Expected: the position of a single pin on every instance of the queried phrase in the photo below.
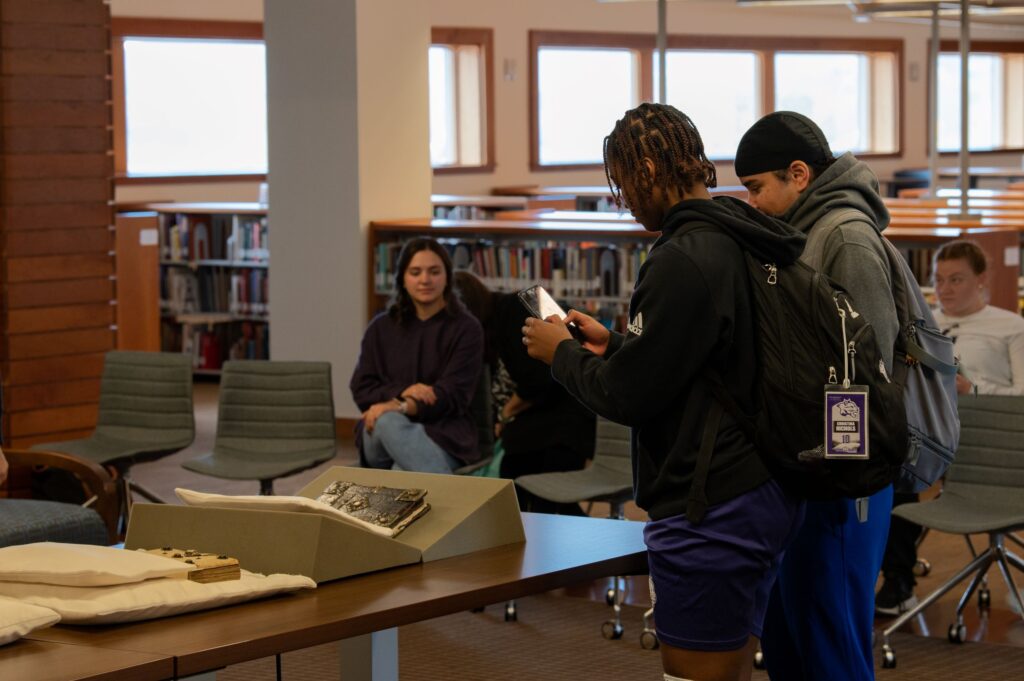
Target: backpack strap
(697, 502)
(814, 249)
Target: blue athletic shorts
(710, 582)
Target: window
(996, 99)
(856, 111)
(190, 99)
(577, 102)
(733, 77)
(461, 108)
(583, 82)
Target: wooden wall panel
(53, 37)
(54, 369)
(41, 421)
(56, 344)
(47, 166)
(49, 395)
(46, 191)
(138, 278)
(56, 220)
(55, 216)
(48, 268)
(39, 319)
(59, 241)
(37, 294)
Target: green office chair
(983, 494)
(274, 419)
(145, 413)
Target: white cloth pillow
(276, 503)
(83, 565)
(18, 618)
(150, 599)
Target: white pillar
(347, 107)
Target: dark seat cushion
(24, 521)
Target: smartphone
(542, 305)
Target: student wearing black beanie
(821, 612)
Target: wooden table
(33, 660)
(364, 612)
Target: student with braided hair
(719, 521)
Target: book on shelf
(383, 510)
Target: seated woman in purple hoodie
(418, 369)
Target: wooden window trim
(124, 27)
(484, 38)
(766, 47)
(977, 46)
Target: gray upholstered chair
(25, 521)
(274, 419)
(983, 494)
(609, 479)
(145, 413)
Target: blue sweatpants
(821, 610)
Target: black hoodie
(691, 309)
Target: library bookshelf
(587, 265)
(214, 277)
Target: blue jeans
(821, 611)
(403, 445)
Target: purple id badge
(846, 422)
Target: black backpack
(800, 315)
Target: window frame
(484, 39)
(984, 47)
(133, 27)
(765, 48)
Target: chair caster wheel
(985, 599)
(511, 615)
(610, 596)
(759, 660)
(611, 630)
(888, 658)
(922, 567)
(649, 640)
(957, 633)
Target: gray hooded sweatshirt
(850, 251)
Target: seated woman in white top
(989, 340)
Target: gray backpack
(923, 365)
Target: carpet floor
(558, 637)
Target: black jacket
(691, 310)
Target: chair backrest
(989, 461)
(612, 449)
(268, 406)
(147, 396)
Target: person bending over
(820, 619)
(418, 369)
(543, 429)
(691, 312)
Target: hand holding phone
(542, 305)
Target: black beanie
(777, 140)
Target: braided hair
(669, 138)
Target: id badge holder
(846, 422)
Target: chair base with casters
(608, 479)
(982, 494)
(24, 521)
(274, 419)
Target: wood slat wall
(56, 218)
